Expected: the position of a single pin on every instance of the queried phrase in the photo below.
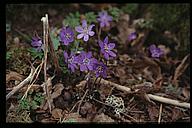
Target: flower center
(70, 60)
(85, 30)
(100, 69)
(106, 48)
(68, 36)
(86, 61)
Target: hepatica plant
(84, 60)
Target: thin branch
(45, 39)
(152, 97)
(81, 101)
(18, 87)
(160, 112)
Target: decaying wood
(24, 82)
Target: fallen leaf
(13, 76)
(57, 113)
(75, 117)
(88, 110)
(102, 118)
(153, 113)
(180, 69)
(58, 88)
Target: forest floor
(138, 87)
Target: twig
(81, 101)
(169, 101)
(160, 112)
(18, 87)
(45, 39)
(153, 97)
(25, 95)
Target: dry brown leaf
(58, 88)
(57, 113)
(76, 117)
(102, 118)
(176, 114)
(153, 113)
(13, 76)
(186, 93)
(180, 69)
(88, 110)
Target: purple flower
(155, 52)
(132, 36)
(104, 19)
(86, 61)
(71, 61)
(106, 48)
(66, 35)
(85, 31)
(37, 44)
(100, 69)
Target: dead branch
(152, 97)
(24, 82)
(45, 40)
(169, 101)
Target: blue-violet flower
(106, 48)
(85, 31)
(100, 69)
(66, 35)
(104, 19)
(86, 61)
(155, 52)
(37, 44)
(71, 61)
(132, 36)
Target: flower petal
(84, 23)
(80, 36)
(65, 55)
(106, 56)
(101, 44)
(90, 67)
(90, 27)
(89, 55)
(79, 29)
(105, 40)
(83, 67)
(112, 54)
(86, 37)
(91, 33)
(111, 46)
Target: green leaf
(129, 8)
(72, 20)
(8, 55)
(35, 54)
(90, 17)
(115, 13)
(54, 39)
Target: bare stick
(160, 112)
(45, 39)
(18, 87)
(169, 101)
(82, 101)
(38, 71)
(152, 97)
